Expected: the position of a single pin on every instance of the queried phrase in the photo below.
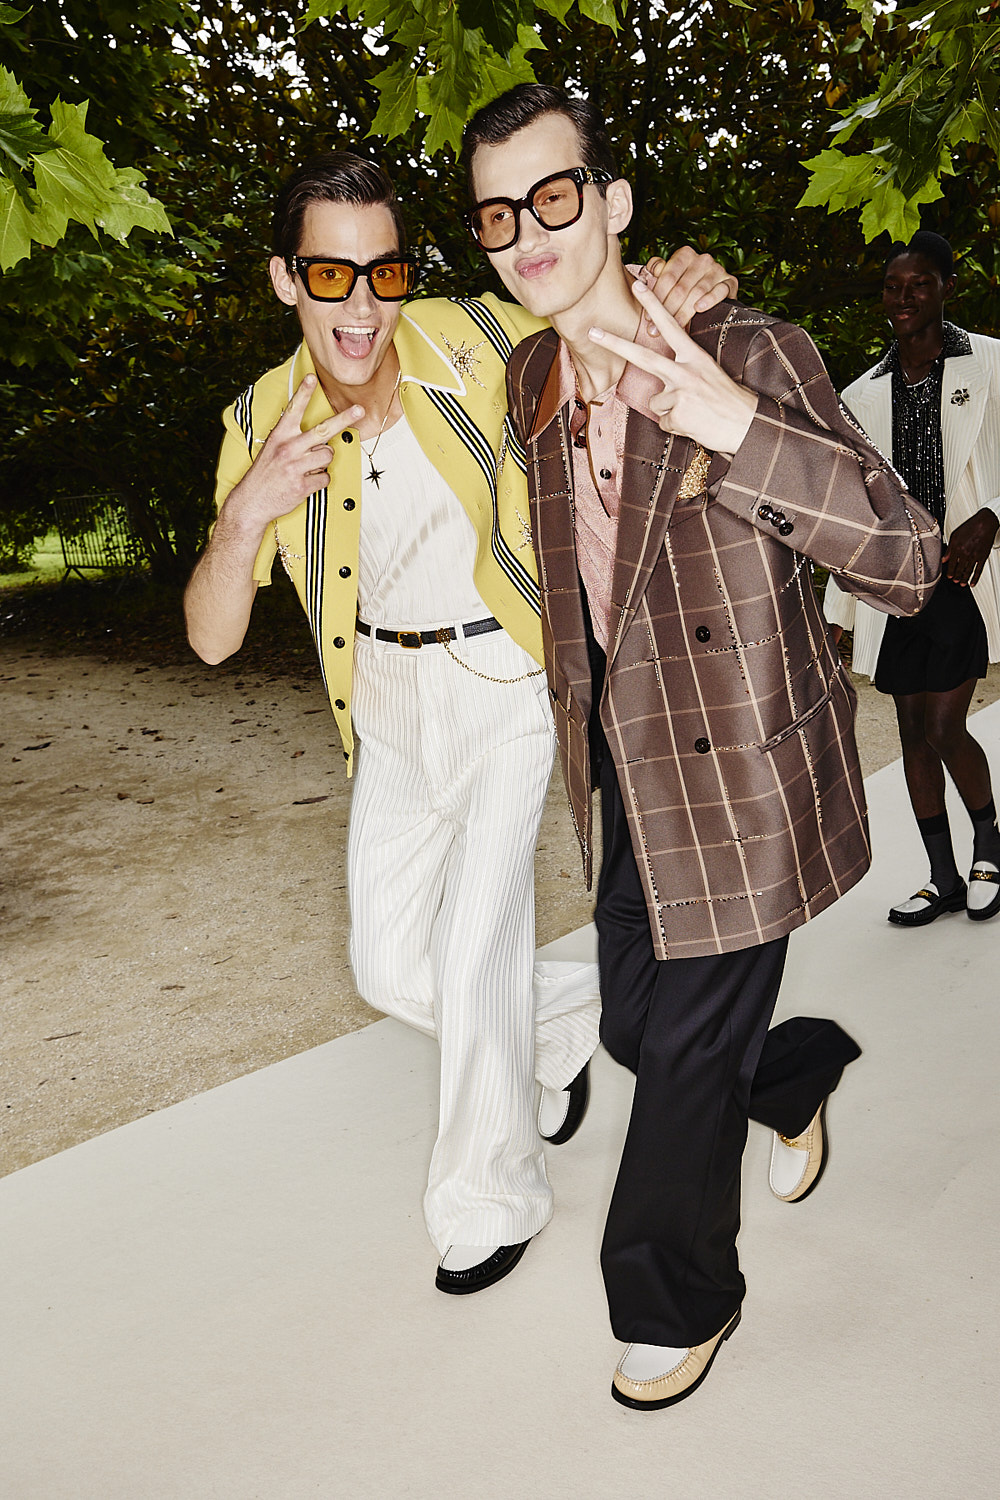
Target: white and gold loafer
(650, 1377)
(798, 1162)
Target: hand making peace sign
(698, 400)
(292, 463)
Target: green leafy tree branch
(447, 57)
(935, 103)
(50, 175)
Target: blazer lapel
(652, 468)
(963, 406)
(555, 539)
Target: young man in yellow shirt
(379, 465)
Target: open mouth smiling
(356, 342)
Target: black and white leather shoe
(984, 891)
(927, 905)
(470, 1268)
(561, 1111)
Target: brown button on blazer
(727, 709)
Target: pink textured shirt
(597, 433)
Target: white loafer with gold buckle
(798, 1162)
(984, 891)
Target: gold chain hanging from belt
(445, 640)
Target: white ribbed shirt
(418, 546)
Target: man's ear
(283, 281)
(948, 290)
(618, 197)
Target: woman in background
(933, 404)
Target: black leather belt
(414, 639)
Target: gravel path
(172, 885)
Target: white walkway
(234, 1298)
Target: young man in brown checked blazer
(685, 482)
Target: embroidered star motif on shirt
(285, 552)
(463, 357)
(959, 397)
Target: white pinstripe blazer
(727, 710)
(970, 436)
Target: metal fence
(96, 532)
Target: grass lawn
(47, 565)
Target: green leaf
(445, 129)
(604, 12)
(890, 212)
(865, 109)
(10, 17)
(131, 207)
(13, 99)
(866, 10)
(21, 137)
(319, 9)
(837, 181)
(557, 8)
(15, 227)
(397, 105)
(498, 74)
(498, 20)
(74, 180)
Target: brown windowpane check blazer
(726, 706)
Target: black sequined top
(917, 451)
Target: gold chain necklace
(374, 475)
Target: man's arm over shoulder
(807, 472)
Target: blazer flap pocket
(800, 722)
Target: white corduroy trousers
(451, 777)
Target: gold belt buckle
(410, 639)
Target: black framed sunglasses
(556, 202)
(326, 280)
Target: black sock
(985, 834)
(936, 835)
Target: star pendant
(374, 475)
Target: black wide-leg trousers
(694, 1031)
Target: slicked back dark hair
(330, 177)
(496, 122)
(933, 247)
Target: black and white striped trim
(316, 508)
(463, 426)
(243, 412)
(513, 444)
(488, 324)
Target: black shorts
(937, 650)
